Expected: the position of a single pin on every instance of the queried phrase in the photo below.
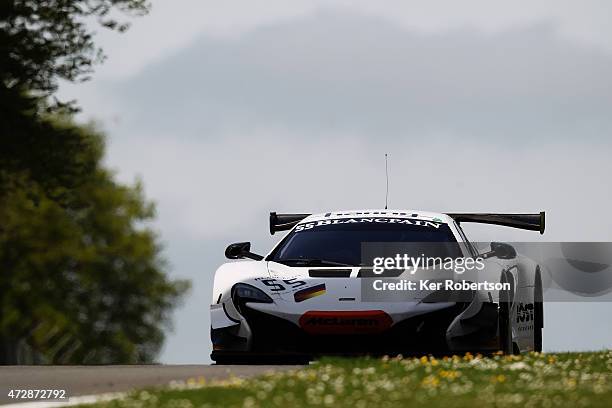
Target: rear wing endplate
(284, 222)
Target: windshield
(349, 242)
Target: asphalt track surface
(88, 380)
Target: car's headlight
(243, 293)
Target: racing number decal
(294, 282)
(274, 287)
(277, 287)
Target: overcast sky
(228, 110)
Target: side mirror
(241, 250)
(501, 250)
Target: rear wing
(532, 222)
(284, 222)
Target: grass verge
(532, 380)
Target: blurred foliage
(49, 150)
(42, 41)
(82, 279)
(81, 275)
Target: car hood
(345, 287)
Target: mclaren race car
(331, 286)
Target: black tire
(503, 319)
(538, 319)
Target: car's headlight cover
(243, 293)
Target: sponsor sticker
(345, 322)
(370, 220)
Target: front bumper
(424, 334)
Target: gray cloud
(364, 75)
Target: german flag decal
(308, 293)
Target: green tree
(81, 275)
(81, 279)
(42, 41)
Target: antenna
(387, 176)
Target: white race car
(316, 294)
